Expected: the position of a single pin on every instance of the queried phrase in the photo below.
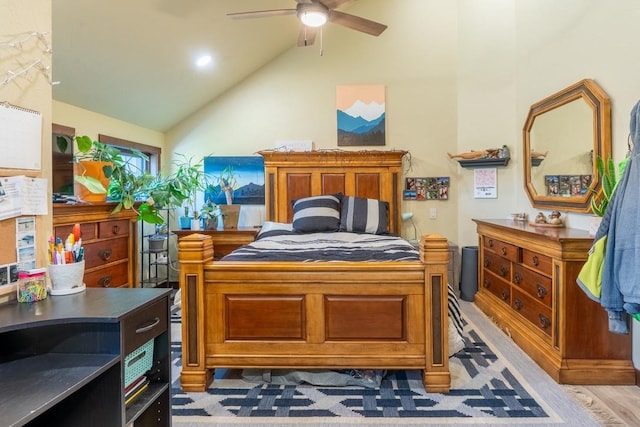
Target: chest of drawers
(109, 241)
(527, 285)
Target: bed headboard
(372, 174)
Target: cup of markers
(66, 267)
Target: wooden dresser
(527, 285)
(109, 241)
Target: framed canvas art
(361, 115)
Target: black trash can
(469, 273)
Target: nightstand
(224, 241)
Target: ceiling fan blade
(336, 4)
(261, 13)
(306, 35)
(357, 23)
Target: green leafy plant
(189, 179)
(227, 183)
(130, 187)
(609, 180)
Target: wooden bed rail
(222, 302)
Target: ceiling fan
(313, 14)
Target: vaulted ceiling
(134, 60)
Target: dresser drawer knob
(535, 260)
(105, 281)
(504, 271)
(486, 283)
(504, 295)
(517, 304)
(490, 243)
(504, 250)
(486, 263)
(105, 254)
(148, 327)
(544, 321)
(517, 278)
(542, 291)
(115, 229)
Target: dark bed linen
(333, 246)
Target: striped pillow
(360, 215)
(316, 214)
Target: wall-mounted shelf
(484, 163)
(535, 161)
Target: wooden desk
(224, 241)
(62, 359)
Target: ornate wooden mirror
(563, 134)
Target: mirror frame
(598, 100)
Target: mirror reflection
(562, 135)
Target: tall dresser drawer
(497, 286)
(102, 252)
(536, 285)
(87, 231)
(537, 261)
(108, 277)
(497, 265)
(506, 250)
(538, 314)
(113, 228)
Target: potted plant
(209, 214)
(227, 184)
(130, 187)
(189, 179)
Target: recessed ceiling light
(204, 60)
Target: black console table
(62, 359)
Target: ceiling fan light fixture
(313, 15)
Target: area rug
(493, 383)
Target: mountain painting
(361, 115)
(248, 172)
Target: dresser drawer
(140, 327)
(497, 265)
(102, 252)
(501, 248)
(535, 284)
(537, 261)
(87, 231)
(497, 286)
(113, 228)
(536, 313)
(112, 276)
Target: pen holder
(66, 278)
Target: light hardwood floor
(611, 405)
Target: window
(153, 153)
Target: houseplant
(227, 184)
(124, 182)
(209, 215)
(189, 180)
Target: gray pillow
(316, 214)
(361, 215)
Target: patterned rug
(486, 389)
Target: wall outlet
(433, 213)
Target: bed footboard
(366, 315)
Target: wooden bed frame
(331, 315)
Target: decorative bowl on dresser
(527, 285)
